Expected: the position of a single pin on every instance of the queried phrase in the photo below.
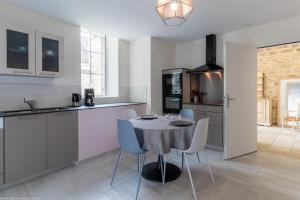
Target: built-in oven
(172, 90)
(172, 104)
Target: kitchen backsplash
(12, 95)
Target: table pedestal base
(152, 172)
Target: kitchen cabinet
(215, 128)
(36, 143)
(17, 52)
(98, 129)
(49, 55)
(1, 152)
(25, 146)
(62, 138)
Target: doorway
(278, 99)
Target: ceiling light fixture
(174, 12)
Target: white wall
(148, 57)
(51, 92)
(124, 70)
(162, 57)
(278, 32)
(47, 91)
(190, 54)
(193, 54)
(140, 71)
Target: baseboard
(214, 147)
(44, 173)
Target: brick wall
(277, 63)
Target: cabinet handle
(63, 113)
(48, 74)
(29, 116)
(22, 72)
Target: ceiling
(132, 19)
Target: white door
(240, 100)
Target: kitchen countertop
(203, 104)
(61, 109)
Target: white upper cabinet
(49, 55)
(17, 52)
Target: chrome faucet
(31, 103)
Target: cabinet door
(200, 115)
(215, 128)
(49, 55)
(25, 146)
(261, 111)
(18, 52)
(62, 138)
(215, 136)
(1, 152)
(268, 108)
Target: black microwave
(172, 80)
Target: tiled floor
(258, 176)
(278, 140)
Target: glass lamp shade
(174, 12)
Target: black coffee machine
(89, 97)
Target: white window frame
(291, 112)
(103, 55)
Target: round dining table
(159, 135)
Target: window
(293, 98)
(93, 62)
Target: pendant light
(174, 12)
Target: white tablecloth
(159, 136)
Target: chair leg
(165, 167)
(198, 157)
(139, 163)
(140, 177)
(161, 162)
(182, 161)
(209, 169)
(158, 163)
(116, 168)
(190, 175)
